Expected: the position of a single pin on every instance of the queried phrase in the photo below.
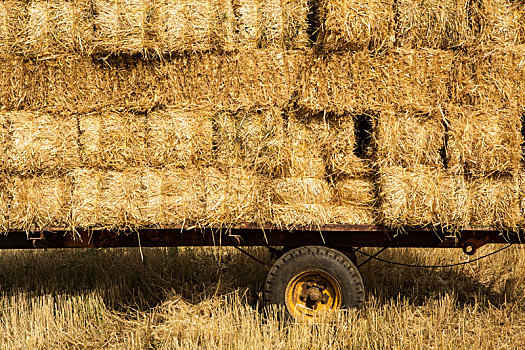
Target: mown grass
(210, 298)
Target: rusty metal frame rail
(335, 236)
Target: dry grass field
(209, 298)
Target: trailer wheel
(314, 279)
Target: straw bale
(295, 23)
(5, 141)
(57, 26)
(433, 24)
(39, 202)
(300, 201)
(451, 206)
(306, 190)
(112, 140)
(121, 201)
(352, 215)
(5, 201)
(400, 78)
(304, 149)
(359, 192)
(351, 25)
(235, 81)
(484, 141)
(423, 197)
(340, 147)
(3, 28)
(183, 197)
(499, 22)
(312, 202)
(123, 26)
(234, 196)
(179, 137)
(494, 202)
(353, 201)
(85, 206)
(492, 78)
(300, 215)
(247, 20)
(13, 18)
(189, 25)
(252, 138)
(136, 198)
(185, 25)
(41, 143)
(521, 179)
(272, 23)
(408, 138)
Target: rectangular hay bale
(113, 140)
(484, 141)
(352, 25)
(490, 78)
(494, 202)
(272, 23)
(408, 138)
(123, 26)
(41, 143)
(190, 26)
(247, 80)
(352, 215)
(39, 202)
(423, 196)
(443, 24)
(183, 197)
(253, 139)
(5, 202)
(56, 26)
(354, 192)
(403, 79)
(300, 201)
(5, 140)
(303, 147)
(122, 199)
(234, 196)
(500, 22)
(353, 202)
(179, 137)
(136, 198)
(13, 19)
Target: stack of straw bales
(136, 197)
(302, 194)
(322, 180)
(485, 147)
(415, 187)
(132, 113)
(39, 28)
(248, 80)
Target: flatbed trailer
(316, 269)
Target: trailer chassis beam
(335, 236)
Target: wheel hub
(312, 292)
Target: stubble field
(209, 298)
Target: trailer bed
(335, 236)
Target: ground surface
(208, 298)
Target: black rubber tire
(315, 257)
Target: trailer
(316, 268)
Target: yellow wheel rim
(312, 292)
